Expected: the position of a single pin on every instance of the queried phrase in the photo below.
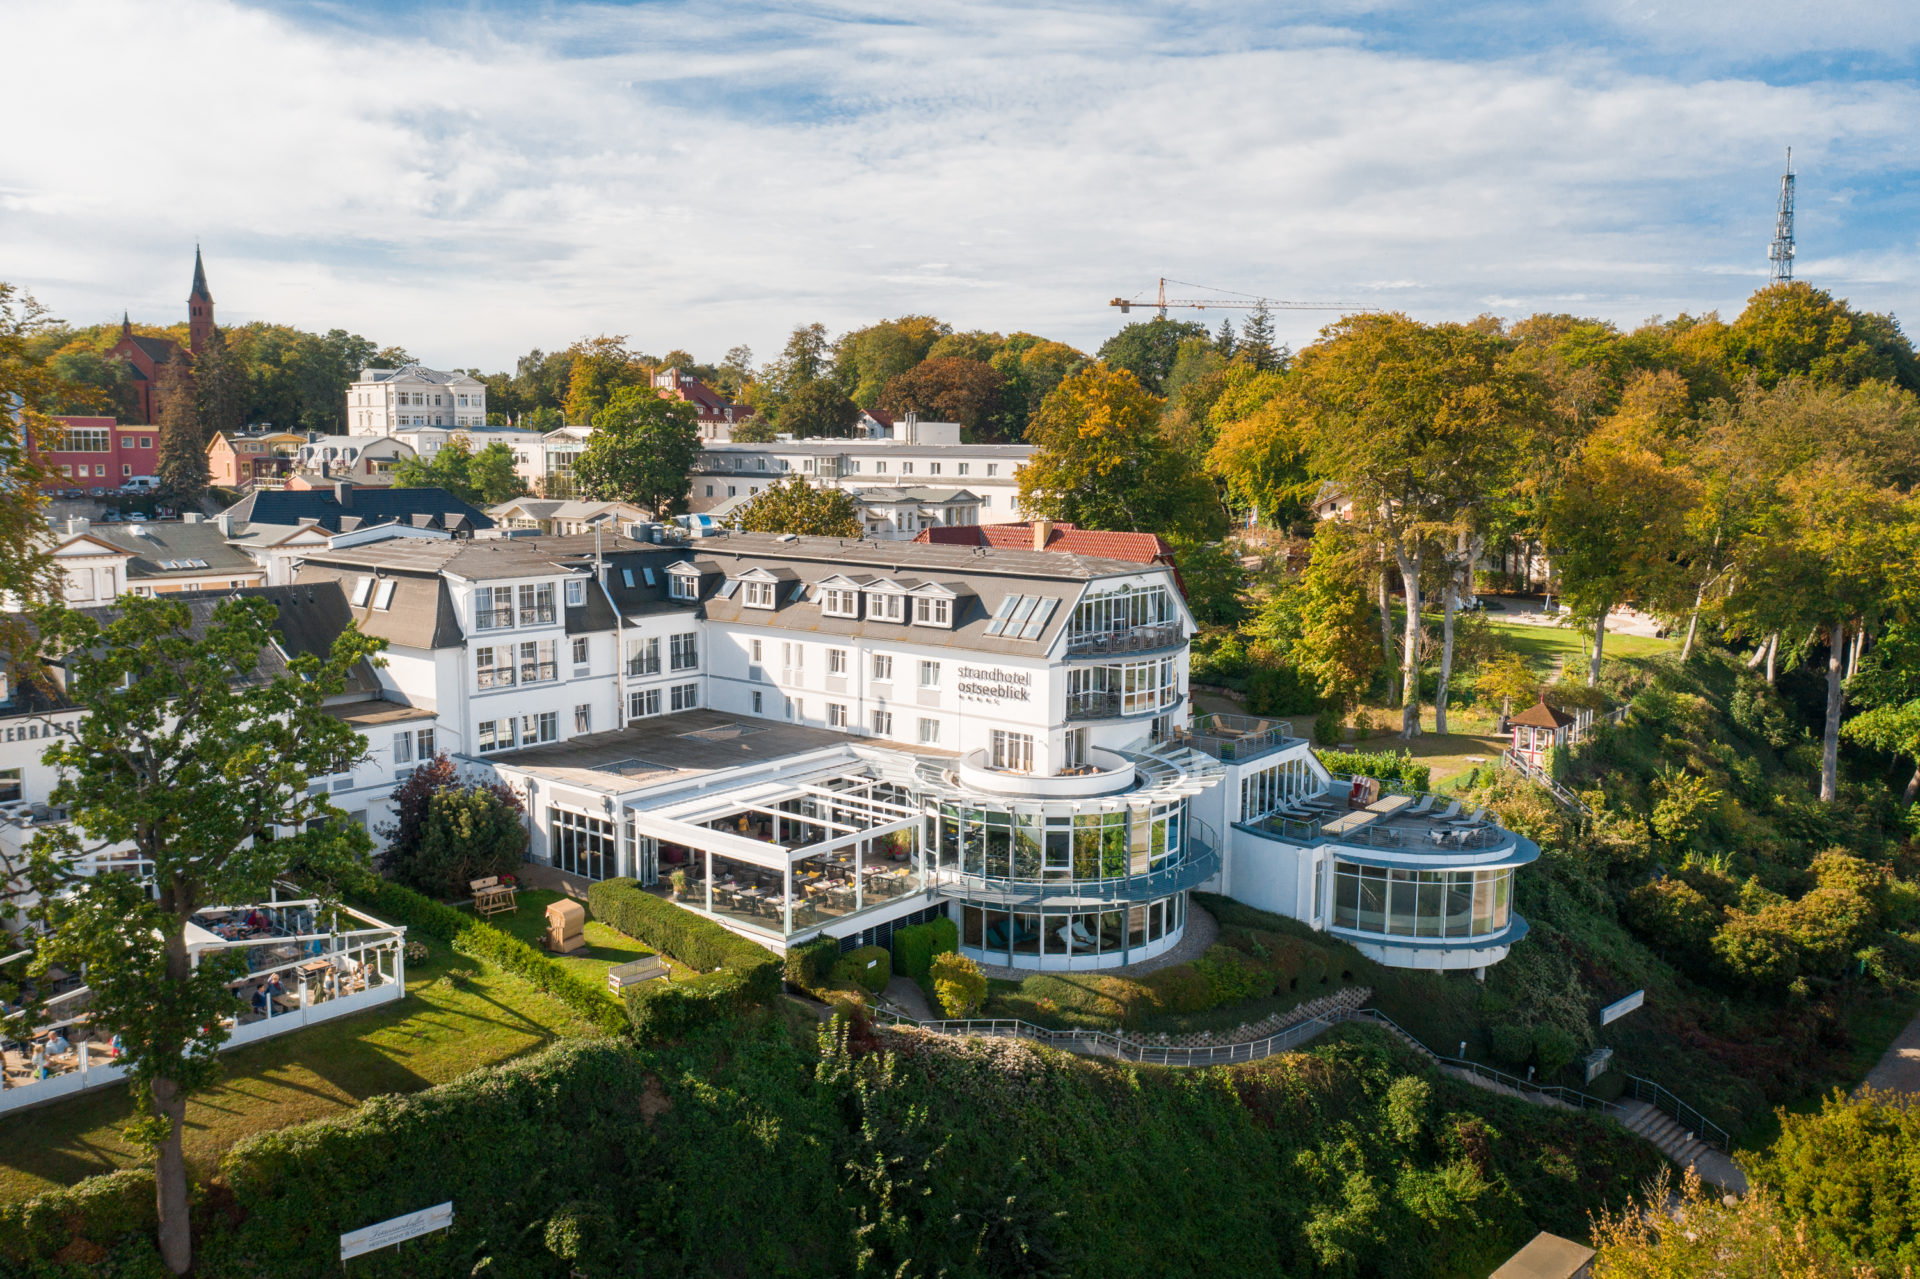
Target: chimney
(224, 521)
(191, 517)
(1042, 534)
(77, 524)
(343, 493)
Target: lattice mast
(1780, 252)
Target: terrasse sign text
(991, 684)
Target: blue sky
(472, 180)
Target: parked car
(140, 484)
(73, 493)
(137, 515)
(111, 517)
(99, 492)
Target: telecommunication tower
(1780, 252)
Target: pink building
(97, 452)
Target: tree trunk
(1759, 655)
(1913, 787)
(1410, 566)
(1855, 650)
(170, 1178)
(1836, 699)
(1693, 622)
(1386, 628)
(1599, 646)
(1446, 659)
(1773, 653)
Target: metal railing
(1570, 1097)
(1533, 772)
(1133, 639)
(1679, 1111)
(538, 672)
(1201, 863)
(1102, 705)
(539, 615)
(1107, 1043)
(493, 619)
(1234, 737)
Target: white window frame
(929, 674)
(883, 668)
(933, 610)
(758, 595)
(929, 731)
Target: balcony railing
(1134, 639)
(1200, 863)
(1100, 705)
(495, 676)
(538, 672)
(1109, 704)
(643, 666)
(539, 616)
(493, 619)
(1230, 738)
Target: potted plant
(679, 881)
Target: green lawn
(439, 1031)
(1541, 644)
(605, 946)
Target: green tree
(1254, 449)
(946, 389)
(1794, 329)
(1032, 366)
(642, 450)
(1887, 685)
(815, 410)
(1335, 646)
(959, 984)
(600, 367)
(795, 506)
(1509, 678)
(1100, 461)
(492, 475)
(1214, 582)
(865, 360)
(1256, 347)
(220, 383)
(91, 383)
(195, 750)
(1148, 349)
(180, 460)
(471, 832)
(1695, 1232)
(27, 571)
(1849, 1173)
(974, 344)
(451, 468)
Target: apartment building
(383, 401)
(98, 452)
(715, 413)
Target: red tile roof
(1138, 548)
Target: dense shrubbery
(958, 984)
(869, 967)
(1388, 766)
(810, 965)
(1850, 1171)
(731, 973)
(745, 1150)
(445, 835)
(915, 947)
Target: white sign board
(1621, 1007)
(394, 1230)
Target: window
(423, 744)
(576, 592)
(794, 657)
(383, 594)
(840, 602)
(929, 610)
(495, 735)
(581, 662)
(583, 719)
(929, 675)
(626, 578)
(494, 666)
(403, 748)
(933, 468)
(683, 586)
(883, 667)
(836, 661)
(755, 649)
(87, 439)
(541, 727)
(647, 574)
(836, 715)
(763, 463)
(1012, 752)
(929, 732)
(796, 709)
(709, 490)
(362, 589)
(642, 702)
(536, 604)
(644, 657)
(493, 608)
(126, 471)
(886, 606)
(583, 845)
(993, 468)
(962, 467)
(986, 500)
(731, 491)
(537, 665)
(683, 651)
(880, 468)
(146, 442)
(883, 723)
(758, 702)
(685, 696)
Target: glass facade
(1396, 902)
(1008, 934)
(1027, 842)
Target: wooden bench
(490, 896)
(621, 976)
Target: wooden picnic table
(287, 1001)
(490, 896)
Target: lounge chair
(1081, 934)
(1426, 802)
(1479, 814)
(1453, 810)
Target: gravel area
(1201, 933)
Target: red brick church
(146, 354)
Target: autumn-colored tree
(794, 505)
(599, 367)
(1509, 678)
(1100, 461)
(1794, 329)
(1336, 645)
(1694, 1232)
(945, 389)
(642, 450)
(1031, 366)
(1848, 1174)
(865, 360)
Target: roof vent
(787, 537)
(191, 517)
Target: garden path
(1899, 1067)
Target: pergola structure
(1537, 730)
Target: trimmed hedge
(1388, 766)
(114, 1211)
(915, 947)
(694, 940)
(672, 1010)
(482, 941)
(809, 966)
(869, 967)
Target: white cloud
(471, 186)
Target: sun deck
(1357, 813)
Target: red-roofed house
(716, 412)
(1045, 535)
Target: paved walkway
(1201, 933)
(1899, 1067)
(905, 994)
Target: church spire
(126, 324)
(199, 308)
(199, 278)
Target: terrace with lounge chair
(295, 961)
(1364, 812)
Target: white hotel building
(826, 738)
(386, 401)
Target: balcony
(493, 619)
(540, 616)
(539, 672)
(1195, 866)
(1097, 705)
(1103, 773)
(1235, 739)
(1133, 639)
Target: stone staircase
(1643, 1119)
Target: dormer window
(759, 594)
(932, 610)
(838, 602)
(886, 606)
(576, 592)
(683, 585)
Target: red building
(147, 355)
(716, 413)
(96, 452)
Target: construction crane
(1243, 301)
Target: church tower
(199, 308)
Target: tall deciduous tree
(1888, 686)
(1336, 641)
(493, 476)
(1100, 461)
(1422, 426)
(195, 750)
(642, 450)
(1147, 349)
(865, 360)
(946, 389)
(601, 367)
(815, 410)
(795, 506)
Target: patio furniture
(566, 927)
(1079, 928)
(490, 896)
(648, 968)
(1426, 802)
(1453, 810)
(1479, 814)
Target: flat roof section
(661, 747)
(372, 712)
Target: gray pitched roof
(420, 614)
(168, 548)
(372, 505)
